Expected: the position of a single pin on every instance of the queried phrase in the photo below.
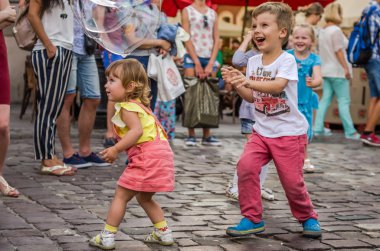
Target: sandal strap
(51, 169)
(7, 188)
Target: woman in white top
(52, 20)
(336, 72)
(201, 23)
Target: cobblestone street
(61, 213)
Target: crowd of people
(276, 69)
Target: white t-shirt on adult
(332, 39)
(277, 115)
(58, 23)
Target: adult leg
(88, 83)
(4, 142)
(190, 72)
(52, 76)
(341, 88)
(4, 134)
(288, 155)
(86, 122)
(63, 126)
(324, 104)
(373, 74)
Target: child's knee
(143, 198)
(246, 168)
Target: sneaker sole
(80, 166)
(94, 244)
(101, 164)
(161, 243)
(235, 233)
(367, 142)
(311, 234)
(211, 144)
(191, 144)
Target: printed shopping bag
(201, 103)
(169, 81)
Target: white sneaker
(164, 238)
(308, 167)
(267, 194)
(230, 194)
(105, 240)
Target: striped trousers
(52, 76)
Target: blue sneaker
(246, 227)
(76, 161)
(95, 160)
(211, 141)
(190, 141)
(311, 228)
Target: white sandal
(7, 190)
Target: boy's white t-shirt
(277, 115)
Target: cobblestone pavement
(61, 213)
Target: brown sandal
(6, 189)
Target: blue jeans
(84, 74)
(373, 72)
(188, 62)
(341, 88)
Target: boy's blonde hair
(333, 13)
(128, 71)
(283, 13)
(308, 28)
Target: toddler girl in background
(240, 59)
(309, 76)
(151, 166)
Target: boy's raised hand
(238, 79)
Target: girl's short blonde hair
(131, 71)
(333, 13)
(308, 28)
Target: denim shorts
(246, 126)
(188, 62)
(84, 75)
(373, 73)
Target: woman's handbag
(23, 31)
(201, 105)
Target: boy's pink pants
(288, 154)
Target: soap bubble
(120, 26)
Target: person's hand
(10, 12)
(225, 71)
(208, 70)
(165, 45)
(248, 37)
(238, 79)
(162, 52)
(51, 51)
(347, 74)
(199, 71)
(309, 81)
(109, 154)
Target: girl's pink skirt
(150, 168)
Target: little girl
(151, 166)
(309, 76)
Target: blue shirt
(305, 69)
(374, 26)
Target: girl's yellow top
(148, 122)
